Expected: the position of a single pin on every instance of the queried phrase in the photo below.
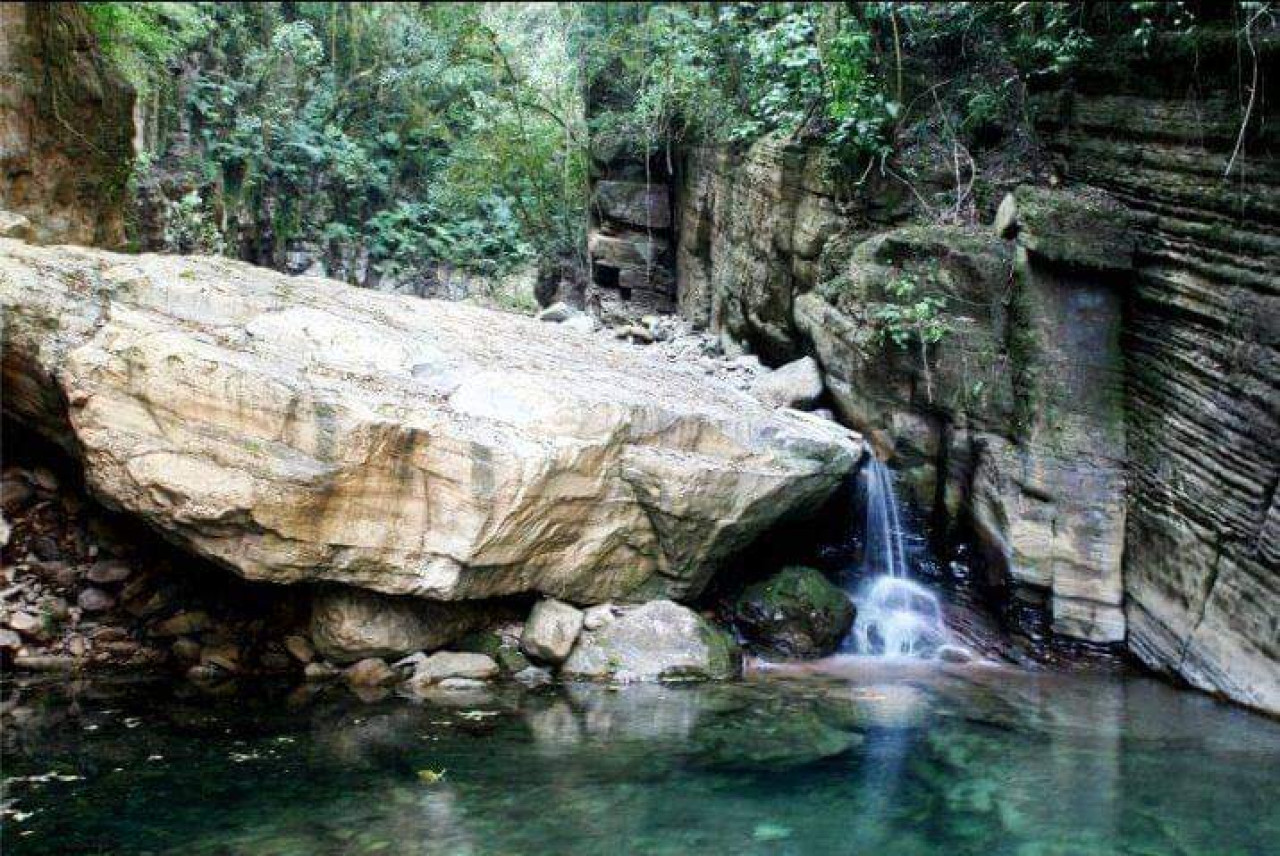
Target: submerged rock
(797, 613)
(660, 640)
(770, 737)
(298, 430)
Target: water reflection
(842, 759)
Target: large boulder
(551, 630)
(296, 429)
(659, 641)
(798, 384)
(349, 624)
(797, 613)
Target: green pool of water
(842, 760)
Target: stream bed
(844, 757)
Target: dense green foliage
(420, 133)
(392, 139)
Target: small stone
(9, 640)
(595, 617)
(109, 572)
(182, 624)
(370, 672)
(25, 623)
(511, 660)
(55, 607)
(954, 654)
(581, 323)
(551, 630)
(15, 494)
(44, 479)
(557, 313)
(461, 684)
(95, 600)
(299, 648)
(225, 657)
(145, 604)
(635, 333)
(534, 676)
(46, 549)
(78, 646)
(108, 634)
(16, 226)
(319, 671)
(204, 672)
(274, 658)
(186, 650)
(453, 664)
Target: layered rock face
(299, 430)
(66, 128)
(1011, 424)
(1202, 548)
(1103, 408)
(751, 232)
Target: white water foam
(897, 617)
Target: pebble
(186, 650)
(371, 672)
(534, 676)
(78, 646)
(26, 624)
(95, 600)
(954, 654)
(225, 657)
(319, 671)
(9, 640)
(44, 479)
(46, 549)
(460, 684)
(598, 616)
(109, 572)
(15, 494)
(182, 624)
(299, 647)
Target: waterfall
(897, 617)
(883, 550)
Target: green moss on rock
(797, 613)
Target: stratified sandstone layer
(299, 430)
(1201, 337)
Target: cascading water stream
(897, 617)
(884, 551)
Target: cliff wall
(66, 127)
(1102, 410)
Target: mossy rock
(1082, 228)
(492, 644)
(796, 613)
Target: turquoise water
(841, 760)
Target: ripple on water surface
(848, 760)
